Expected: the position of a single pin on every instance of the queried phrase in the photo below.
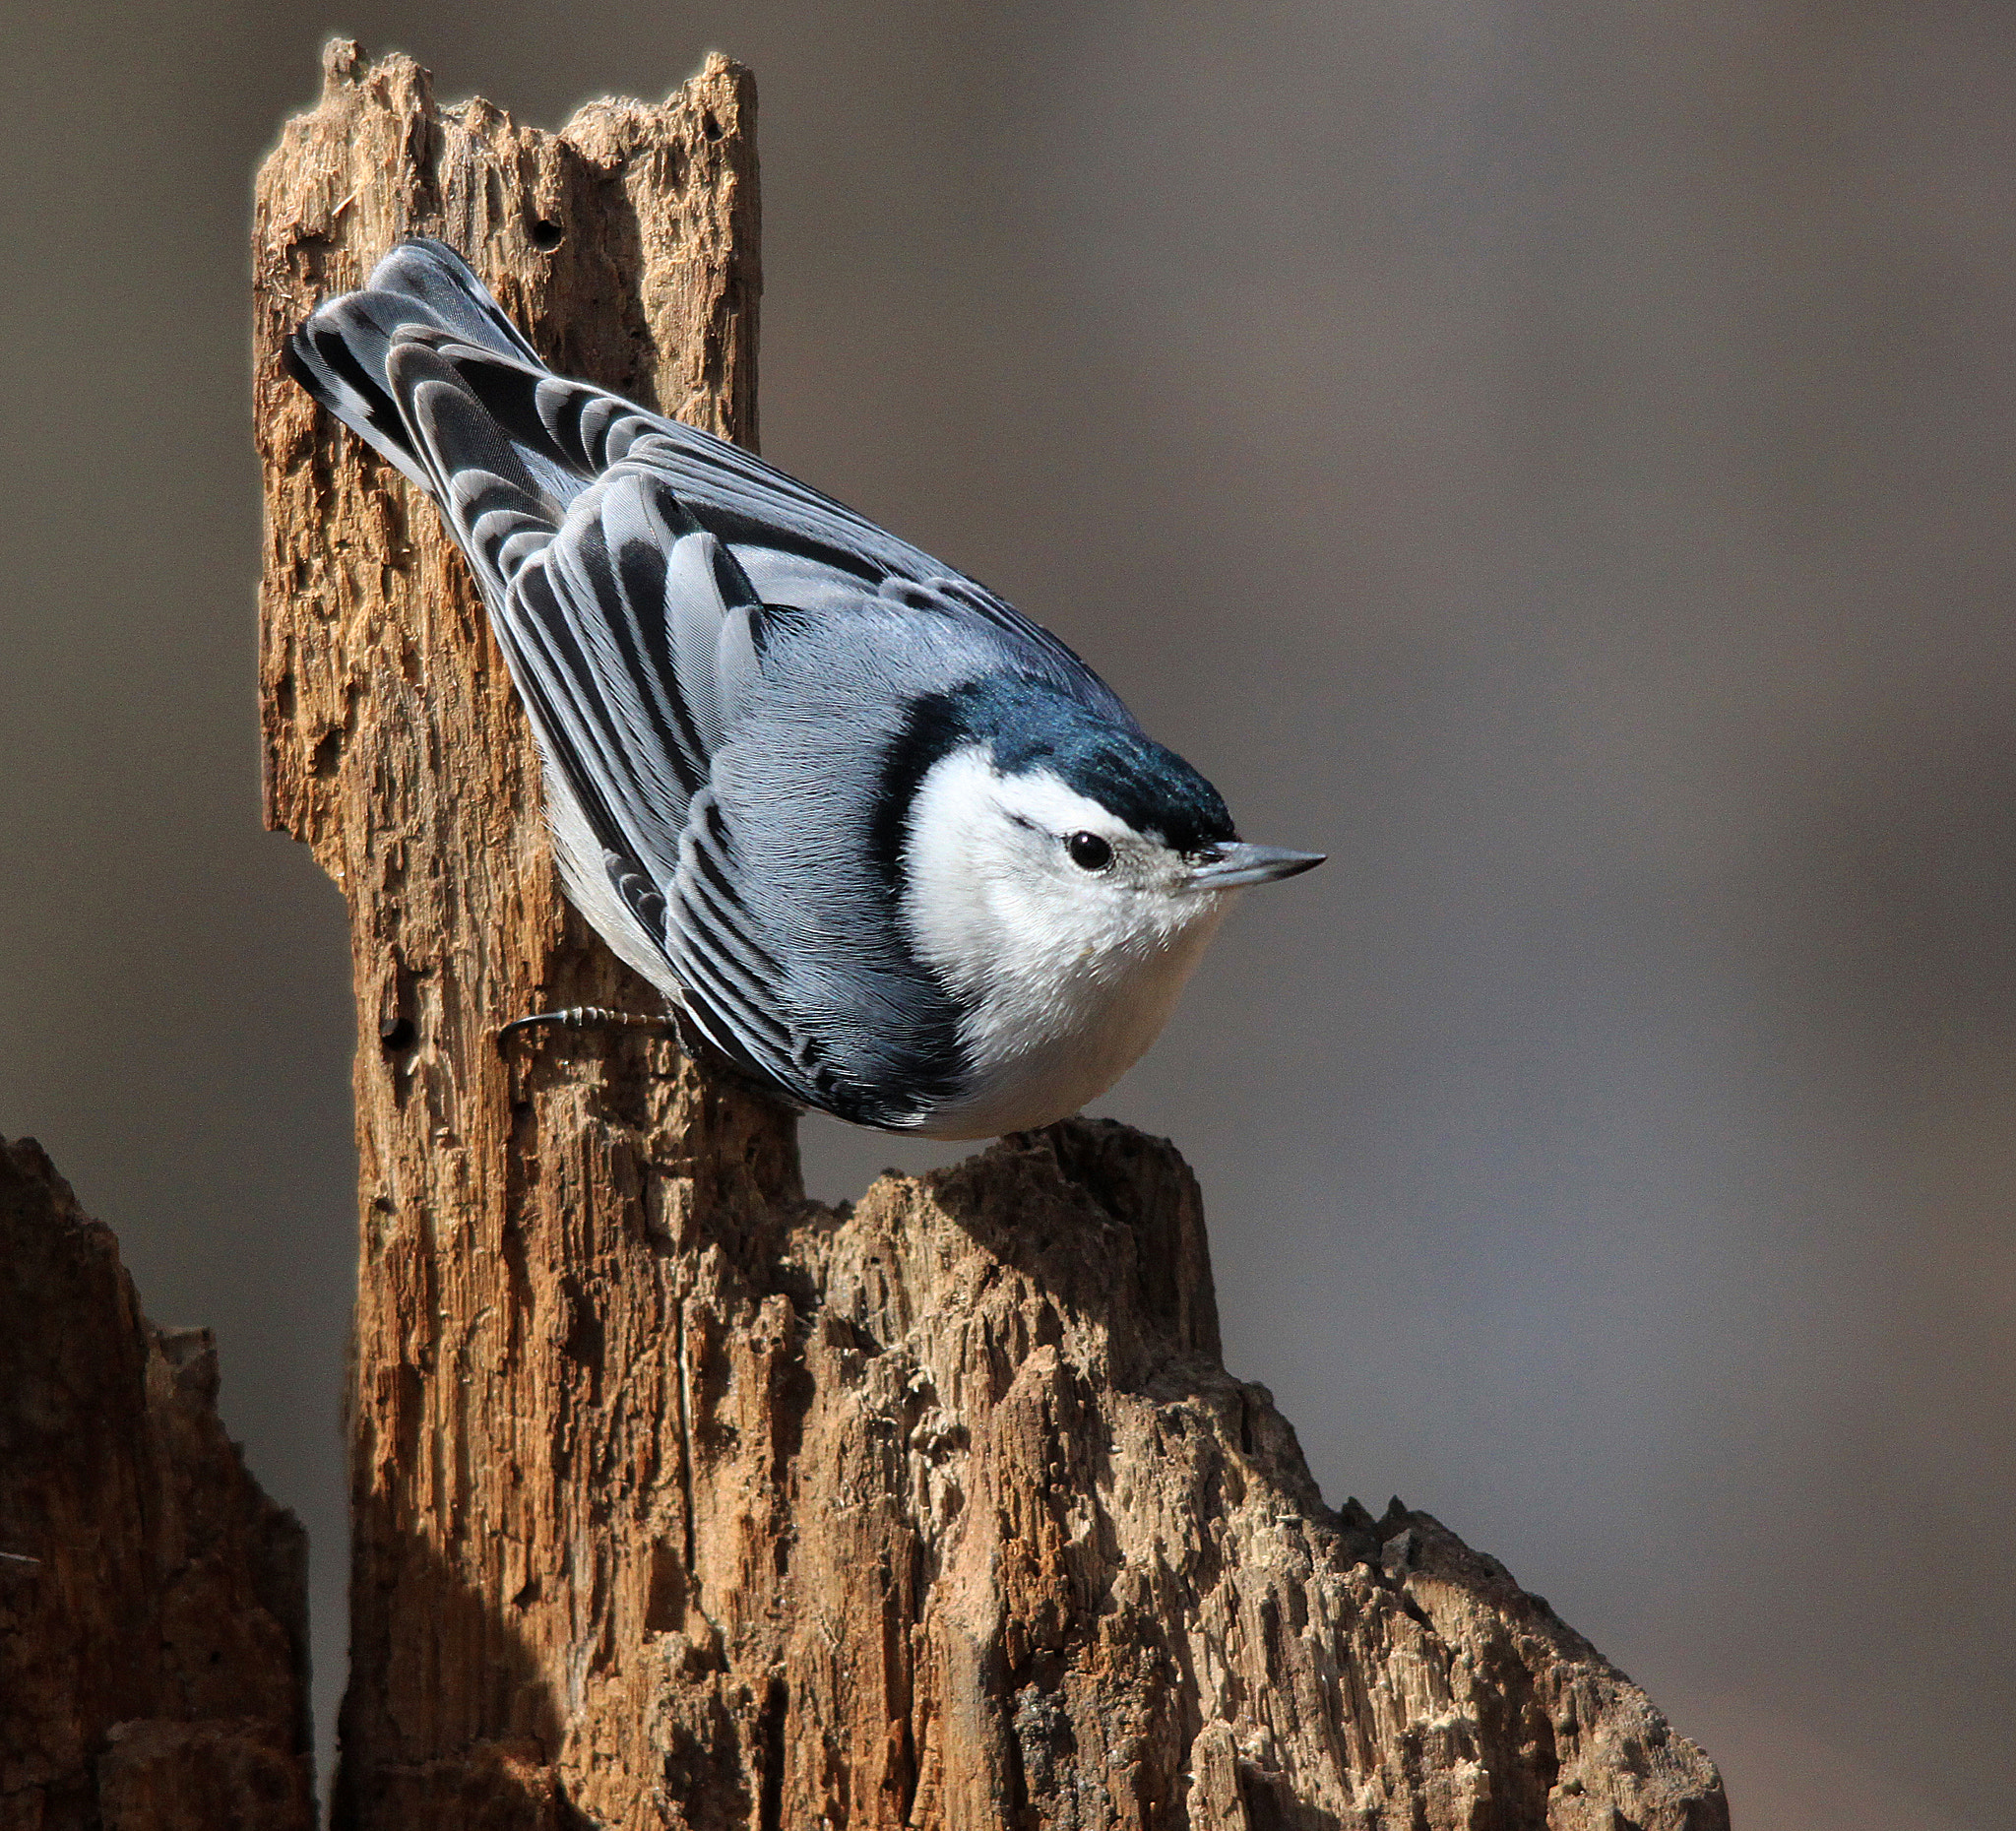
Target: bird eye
(1088, 853)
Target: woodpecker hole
(547, 235)
(398, 1033)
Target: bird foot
(589, 1017)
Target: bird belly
(1042, 1048)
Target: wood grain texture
(152, 1600)
(679, 1500)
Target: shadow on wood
(154, 1654)
(680, 1500)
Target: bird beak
(1228, 868)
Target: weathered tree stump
(153, 1655)
(680, 1500)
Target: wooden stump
(679, 1500)
(154, 1602)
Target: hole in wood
(547, 235)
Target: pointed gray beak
(1227, 868)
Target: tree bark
(154, 1662)
(680, 1500)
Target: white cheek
(990, 897)
(1066, 979)
(961, 863)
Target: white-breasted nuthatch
(890, 847)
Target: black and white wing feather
(795, 545)
(629, 632)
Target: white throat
(1065, 979)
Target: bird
(885, 844)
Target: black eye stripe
(1088, 853)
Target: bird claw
(587, 1017)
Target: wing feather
(791, 544)
(713, 944)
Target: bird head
(1049, 843)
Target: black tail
(341, 355)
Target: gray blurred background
(1555, 458)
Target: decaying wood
(152, 1602)
(680, 1500)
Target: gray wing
(630, 633)
(795, 547)
(633, 634)
(425, 321)
(802, 549)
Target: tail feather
(442, 291)
(495, 502)
(342, 356)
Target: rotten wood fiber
(680, 1500)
